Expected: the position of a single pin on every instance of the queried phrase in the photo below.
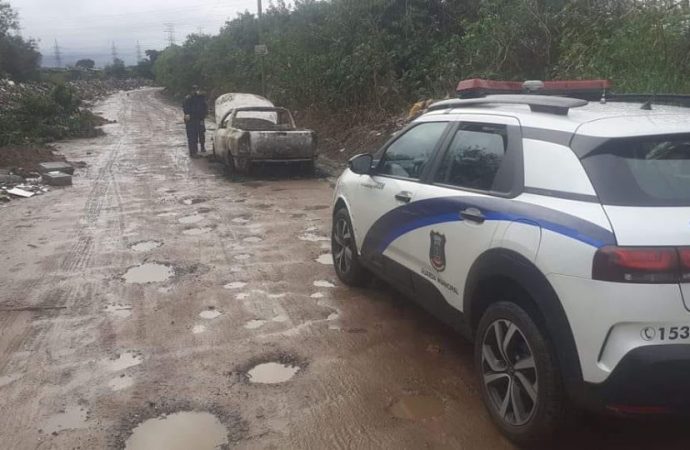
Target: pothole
(204, 210)
(118, 310)
(325, 259)
(72, 418)
(193, 201)
(311, 237)
(280, 318)
(123, 361)
(311, 229)
(179, 431)
(252, 239)
(210, 314)
(167, 214)
(242, 257)
(254, 324)
(324, 284)
(198, 329)
(196, 231)
(283, 295)
(194, 218)
(148, 273)
(272, 373)
(235, 285)
(240, 220)
(145, 246)
(415, 407)
(120, 383)
(317, 295)
(333, 316)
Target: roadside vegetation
(362, 60)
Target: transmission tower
(170, 32)
(113, 51)
(138, 51)
(58, 54)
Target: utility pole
(261, 41)
(170, 32)
(113, 51)
(58, 54)
(138, 51)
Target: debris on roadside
(21, 183)
(49, 167)
(56, 178)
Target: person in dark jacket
(195, 110)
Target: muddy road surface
(159, 304)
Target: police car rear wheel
(345, 258)
(519, 376)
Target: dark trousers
(196, 134)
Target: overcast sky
(87, 28)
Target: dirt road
(156, 286)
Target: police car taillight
(641, 264)
(587, 89)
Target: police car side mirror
(361, 164)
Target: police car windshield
(648, 171)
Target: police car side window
(410, 153)
(474, 157)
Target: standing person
(195, 110)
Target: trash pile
(28, 184)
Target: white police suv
(552, 232)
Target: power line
(170, 32)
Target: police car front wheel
(345, 258)
(519, 377)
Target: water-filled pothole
(210, 314)
(72, 418)
(118, 310)
(254, 324)
(272, 373)
(196, 231)
(198, 329)
(193, 201)
(240, 220)
(252, 239)
(317, 295)
(123, 361)
(194, 218)
(324, 284)
(145, 246)
(167, 214)
(415, 407)
(235, 285)
(242, 257)
(148, 273)
(311, 237)
(179, 431)
(325, 259)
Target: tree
(19, 58)
(86, 64)
(8, 19)
(153, 55)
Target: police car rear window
(649, 171)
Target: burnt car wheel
(519, 377)
(345, 258)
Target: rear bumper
(651, 379)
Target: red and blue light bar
(588, 89)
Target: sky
(88, 28)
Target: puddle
(272, 373)
(240, 220)
(145, 246)
(235, 285)
(242, 257)
(179, 431)
(198, 329)
(148, 273)
(324, 284)
(193, 201)
(167, 214)
(124, 361)
(252, 239)
(317, 295)
(210, 314)
(415, 407)
(333, 316)
(120, 383)
(311, 237)
(280, 318)
(325, 259)
(121, 311)
(254, 324)
(194, 218)
(196, 231)
(74, 417)
(283, 295)
(310, 229)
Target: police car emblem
(437, 251)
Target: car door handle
(473, 215)
(403, 196)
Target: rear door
(386, 195)
(456, 216)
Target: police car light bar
(584, 89)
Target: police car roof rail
(537, 103)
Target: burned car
(251, 130)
